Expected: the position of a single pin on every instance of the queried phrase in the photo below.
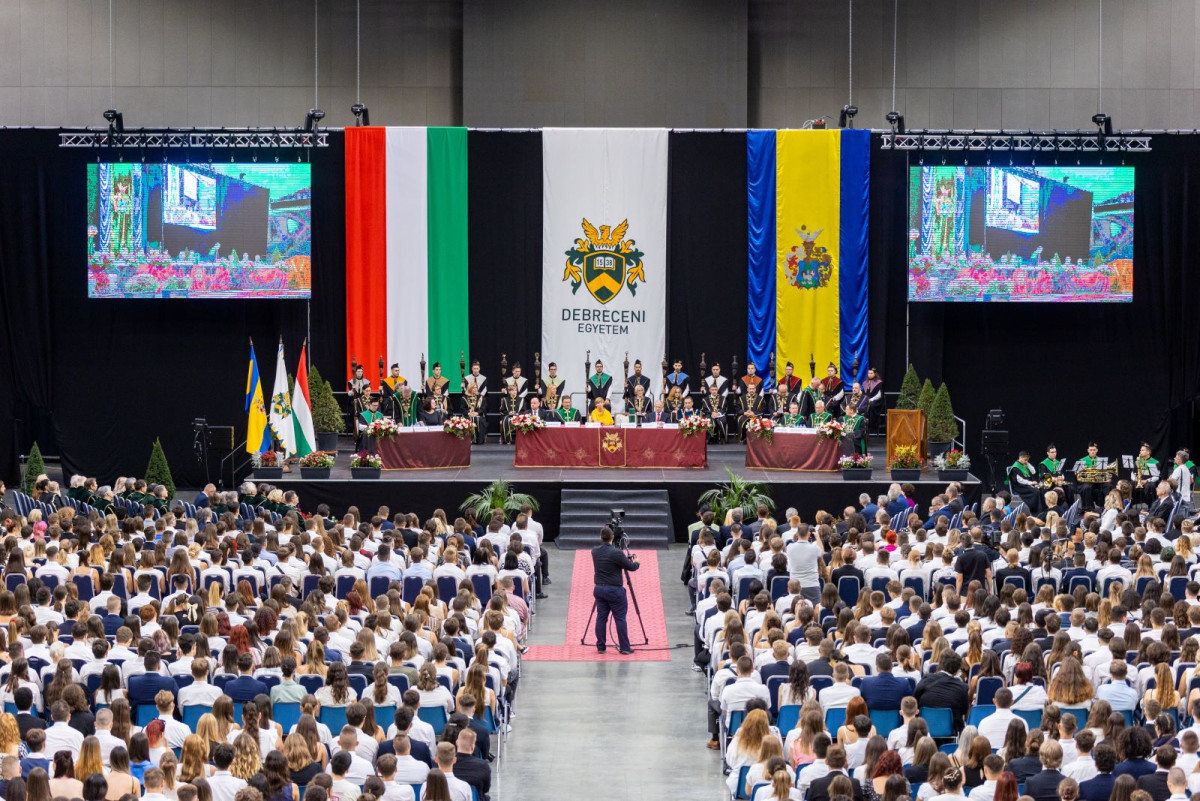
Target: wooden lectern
(906, 427)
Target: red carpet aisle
(649, 595)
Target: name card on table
(574, 424)
(669, 425)
(629, 424)
(594, 425)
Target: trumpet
(1050, 480)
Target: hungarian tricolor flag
(306, 438)
(406, 247)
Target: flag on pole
(281, 408)
(258, 439)
(306, 439)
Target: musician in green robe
(1022, 480)
(792, 417)
(365, 418)
(598, 385)
(565, 413)
(1146, 477)
(854, 432)
(819, 414)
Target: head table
(793, 449)
(420, 448)
(609, 446)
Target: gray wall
(228, 62)
(604, 63)
(770, 63)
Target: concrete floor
(624, 732)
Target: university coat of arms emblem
(604, 262)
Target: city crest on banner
(604, 262)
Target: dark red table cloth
(424, 450)
(556, 446)
(793, 451)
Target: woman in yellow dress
(600, 414)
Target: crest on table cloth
(604, 262)
(612, 443)
(808, 265)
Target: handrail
(239, 449)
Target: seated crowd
(202, 655)
(887, 655)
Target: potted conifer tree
(158, 471)
(327, 416)
(943, 428)
(35, 465)
(910, 389)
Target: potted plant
(158, 471)
(327, 416)
(35, 465)
(267, 465)
(740, 493)
(943, 428)
(905, 464)
(855, 467)
(952, 465)
(910, 389)
(497, 495)
(316, 465)
(366, 465)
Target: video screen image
(1048, 234)
(199, 230)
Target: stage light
(896, 120)
(314, 116)
(116, 121)
(846, 117)
(1103, 122)
(362, 114)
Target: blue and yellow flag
(258, 436)
(807, 196)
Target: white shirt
(394, 791)
(107, 743)
(1081, 769)
(984, 792)
(735, 696)
(174, 731)
(837, 696)
(61, 737)
(358, 771)
(225, 785)
(459, 790)
(203, 694)
(994, 726)
(410, 770)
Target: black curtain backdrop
(96, 381)
(706, 240)
(1067, 372)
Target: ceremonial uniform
(632, 383)
(571, 415)
(1050, 474)
(472, 405)
(433, 382)
(552, 392)
(390, 389)
(721, 381)
(1145, 479)
(854, 430)
(598, 385)
(792, 420)
(1022, 481)
(808, 400)
(749, 407)
(715, 409)
(365, 418)
(816, 419)
(637, 409)
(677, 379)
(359, 390)
(520, 382)
(833, 390)
(510, 407)
(405, 413)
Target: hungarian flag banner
(406, 247)
(306, 438)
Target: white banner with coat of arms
(604, 252)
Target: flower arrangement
(364, 459)
(383, 428)
(526, 423)
(694, 425)
(267, 459)
(830, 429)
(459, 426)
(855, 461)
(952, 460)
(762, 428)
(905, 458)
(316, 459)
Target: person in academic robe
(390, 388)
(658, 415)
(1146, 476)
(519, 381)
(750, 379)
(634, 381)
(790, 383)
(809, 397)
(687, 410)
(750, 407)
(1022, 480)
(553, 388)
(854, 432)
(675, 401)
(873, 390)
(718, 380)
(436, 381)
(537, 410)
(359, 390)
(598, 385)
(366, 442)
(833, 390)
(677, 378)
(792, 417)
(600, 413)
(476, 379)
(855, 398)
(472, 409)
(637, 407)
(566, 413)
(103, 502)
(714, 408)
(819, 415)
(511, 405)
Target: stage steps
(584, 512)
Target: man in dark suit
(142, 689)
(465, 718)
(357, 665)
(848, 569)
(944, 689)
(470, 768)
(726, 532)
(1043, 786)
(1099, 787)
(26, 721)
(658, 415)
(883, 690)
(835, 759)
(1163, 505)
(780, 666)
(924, 612)
(1156, 783)
(823, 664)
(245, 686)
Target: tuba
(1097, 475)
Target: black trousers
(611, 601)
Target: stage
(421, 491)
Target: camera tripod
(637, 610)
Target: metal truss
(225, 137)
(1024, 141)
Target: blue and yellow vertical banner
(818, 182)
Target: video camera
(620, 538)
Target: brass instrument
(1051, 481)
(1097, 475)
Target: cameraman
(608, 562)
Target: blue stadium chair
(884, 720)
(985, 689)
(736, 718)
(311, 683)
(335, 717)
(144, 713)
(918, 585)
(743, 588)
(309, 584)
(483, 588)
(83, 584)
(979, 712)
(183, 681)
(359, 682)
(380, 584)
(789, 718)
(287, 715)
(1032, 717)
(940, 721)
(879, 584)
(1081, 714)
(444, 680)
(412, 585)
(447, 588)
(849, 589)
(435, 716)
(399, 681)
(773, 685)
(740, 790)
(1178, 587)
(384, 715)
(14, 580)
(1017, 581)
(119, 589)
(948, 748)
(819, 683)
(192, 713)
(834, 720)
(779, 585)
(344, 585)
